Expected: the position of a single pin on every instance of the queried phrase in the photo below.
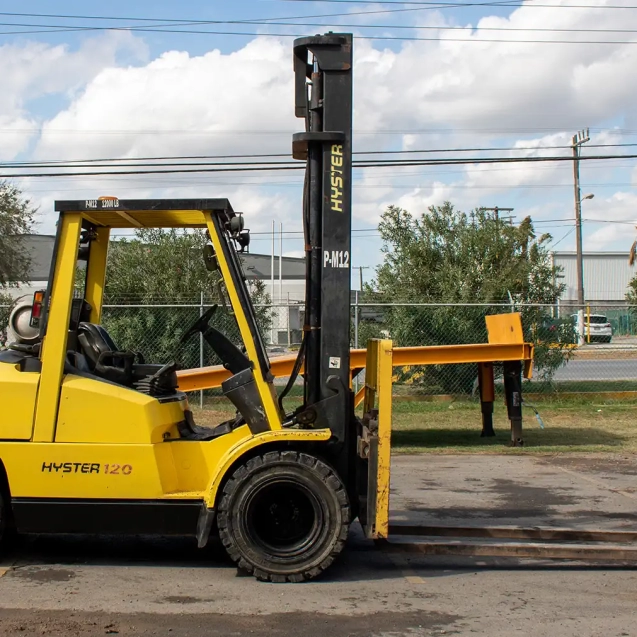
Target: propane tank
(19, 328)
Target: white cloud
(15, 134)
(619, 214)
(500, 85)
(440, 94)
(33, 69)
(178, 104)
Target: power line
(460, 5)
(185, 22)
(73, 162)
(627, 223)
(275, 166)
(296, 35)
(259, 20)
(152, 27)
(361, 233)
(162, 28)
(552, 245)
(287, 132)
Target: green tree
(631, 296)
(16, 220)
(448, 257)
(6, 305)
(166, 269)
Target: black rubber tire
(284, 516)
(3, 518)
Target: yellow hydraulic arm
(506, 343)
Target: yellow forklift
(93, 439)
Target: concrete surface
(62, 586)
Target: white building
(40, 247)
(606, 276)
(289, 284)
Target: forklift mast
(323, 98)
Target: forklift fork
(375, 456)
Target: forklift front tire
(284, 516)
(3, 517)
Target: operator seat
(104, 358)
(107, 361)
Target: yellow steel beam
(383, 394)
(54, 346)
(266, 391)
(96, 274)
(210, 377)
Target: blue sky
(93, 93)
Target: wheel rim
(283, 517)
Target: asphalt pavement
(584, 370)
(80, 587)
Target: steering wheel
(199, 325)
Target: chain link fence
(607, 361)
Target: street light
(580, 271)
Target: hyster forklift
(94, 439)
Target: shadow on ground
(430, 438)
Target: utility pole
(360, 269)
(496, 213)
(272, 280)
(578, 139)
(280, 265)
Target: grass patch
(573, 424)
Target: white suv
(599, 328)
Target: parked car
(597, 325)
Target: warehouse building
(289, 276)
(606, 276)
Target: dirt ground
(81, 587)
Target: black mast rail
(323, 97)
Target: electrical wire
(552, 245)
(161, 28)
(296, 35)
(357, 132)
(184, 22)
(460, 5)
(72, 162)
(162, 25)
(260, 20)
(275, 166)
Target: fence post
(288, 322)
(356, 319)
(201, 348)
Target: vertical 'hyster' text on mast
(336, 173)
